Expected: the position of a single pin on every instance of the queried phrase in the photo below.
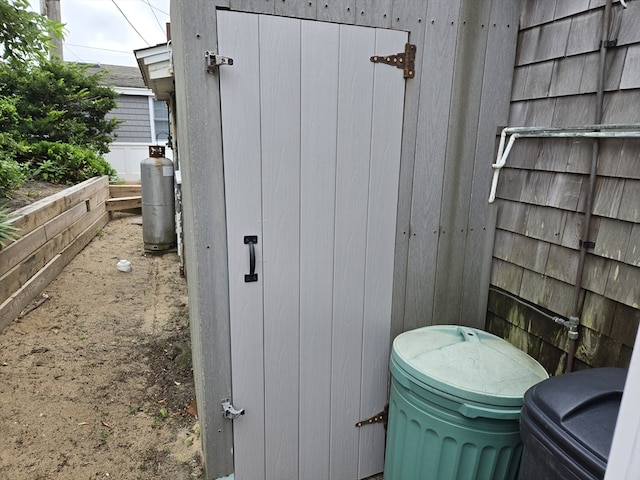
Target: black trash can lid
(579, 410)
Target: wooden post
(53, 12)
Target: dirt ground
(96, 381)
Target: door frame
(366, 155)
(199, 121)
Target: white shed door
(311, 138)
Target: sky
(108, 31)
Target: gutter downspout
(574, 319)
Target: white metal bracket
(213, 61)
(584, 131)
(229, 411)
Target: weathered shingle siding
(134, 110)
(542, 192)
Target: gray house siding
(134, 112)
(145, 121)
(131, 108)
(543, 189)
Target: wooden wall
(453, 106)
(51, 232)
(542, 192)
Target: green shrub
(53, 121)
(8, 232)
(12, 175)
(64, 163)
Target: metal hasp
(156, 151)
(231, 412)
(377, 418)
(213, 61)
(405, 60)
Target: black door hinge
(377, 418)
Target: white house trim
(145, 92)
(152, 119)
(156, 65)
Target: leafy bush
(58, 102)
(64, 163)
(52, 114)
(7, 231)
(12, 175)
(25, 35)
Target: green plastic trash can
(454, 405)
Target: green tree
(53, 123)
(60, 102)
(25, 35)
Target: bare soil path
(96, 382)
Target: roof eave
(156, 66)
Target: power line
(71, 52)
(155, 8)
(129, 22)
(147, 2)
(98, 48)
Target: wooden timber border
(52, 231)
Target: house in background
(145, 120)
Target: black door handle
(251, 240)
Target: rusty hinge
(377, 418)
(405, 60)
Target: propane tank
(158, 211)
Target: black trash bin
(567, 424)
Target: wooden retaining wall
(126, 198)
(52, 231)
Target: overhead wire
(152, 8)
(99, 48)
(65, 46)
(129, 22)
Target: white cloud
(96, 31)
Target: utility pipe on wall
(595, 156)
(585, 131)
(596, 132)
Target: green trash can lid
(467, 363)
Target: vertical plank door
(311, 139)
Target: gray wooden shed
(293, 306)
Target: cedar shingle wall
(542, 191)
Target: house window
(161, 120)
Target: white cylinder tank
(158, 207)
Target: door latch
(213, 61)
(229, 411)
